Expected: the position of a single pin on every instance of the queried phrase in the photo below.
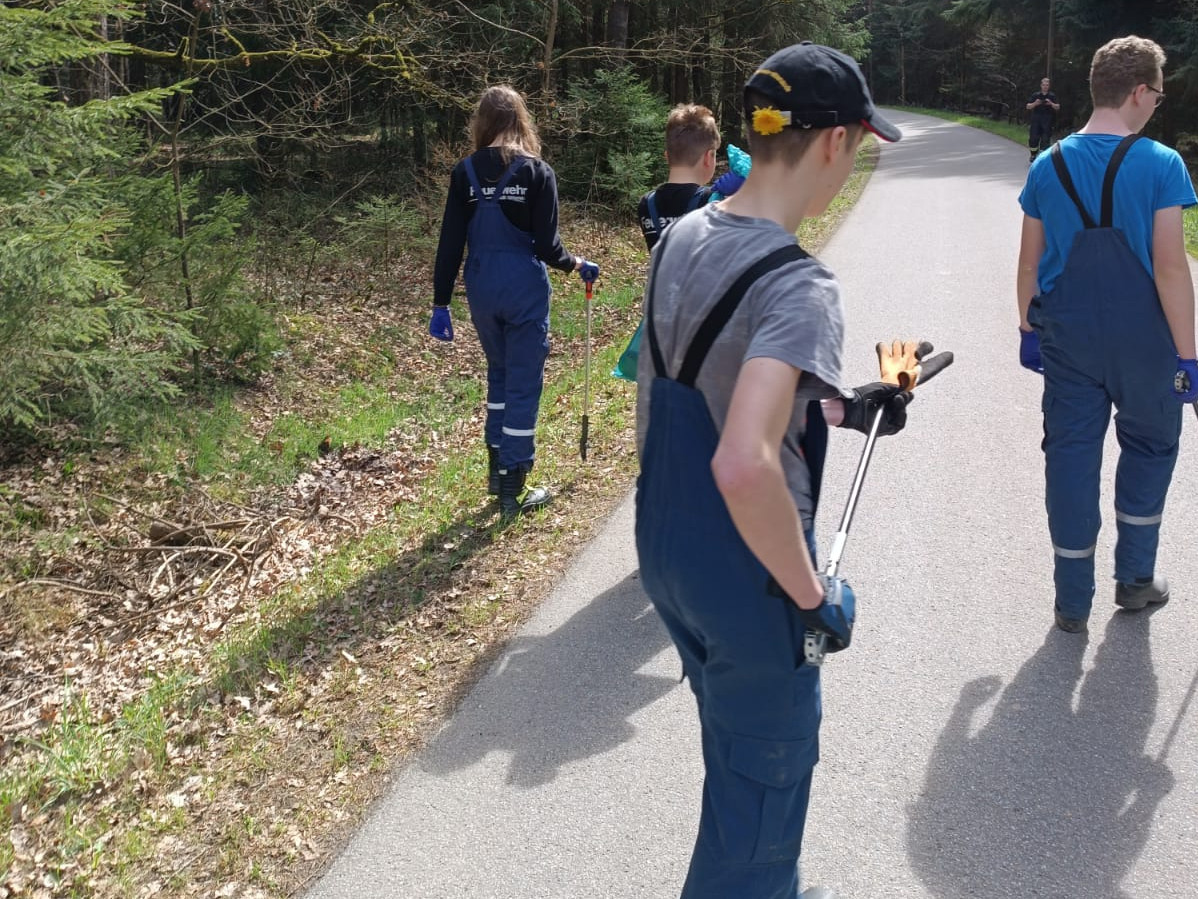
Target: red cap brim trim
(872, 130)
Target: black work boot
(492, 470)
(515, 498)
(1141, 594)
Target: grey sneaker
(818, 893)
(1134, 597)
(1071, 625)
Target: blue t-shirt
(1152, 177)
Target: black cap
(813, 86)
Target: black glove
(861, 404)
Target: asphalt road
(968, 748)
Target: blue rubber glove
(589, 272)
(1185, 382)
(834, 616)
(440, 325)
(1029, 351)
(728, 184)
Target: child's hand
(862, 404)
(728, 183)
(1029, 351)
(1185, 382)
(440, 325)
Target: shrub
(612, 131)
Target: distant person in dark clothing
(1044, 108)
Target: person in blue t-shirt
(1106, 314)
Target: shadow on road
(1045, 798)
(563, 696)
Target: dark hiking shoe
(1142, 594)
(515, 498)
(1071, 625)
(493, 470)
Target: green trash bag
(626, 368)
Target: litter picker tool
(586, 390)
(815, 643)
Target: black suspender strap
(659, 362)
(711, 327)
(1058, 162)
(722, 311)
(651, 202)
(1107, 211)
(1108, 183)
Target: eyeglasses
(1160, 94)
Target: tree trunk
(617, 26)
(547, 59)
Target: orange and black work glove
(899, 363)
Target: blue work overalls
(741, 647)
(1104, 340)
(507, 288)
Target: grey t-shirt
(792, 314)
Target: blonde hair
(503, 116)
(690, 132)
(1121, 65)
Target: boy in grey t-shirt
(731, 454)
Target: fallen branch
(52, 582)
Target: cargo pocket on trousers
(781, 773)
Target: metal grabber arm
(905, 369)
(586, 392)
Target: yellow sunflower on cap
(768, 120)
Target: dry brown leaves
(118, 577)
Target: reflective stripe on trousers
(1105, 343)
(508, 291)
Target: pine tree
(73, 336)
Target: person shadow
(1047, 797)
(562, 696)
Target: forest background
(246, 560)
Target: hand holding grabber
(1185, 382)
(589, 272)
(830, 625)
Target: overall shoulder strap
(651, 202)
(722, 311)
(659, 362)
(1108, 183)
(1058, 162)
(507, 176)
(696, 200)
(468, 164)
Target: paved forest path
(968, 749)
